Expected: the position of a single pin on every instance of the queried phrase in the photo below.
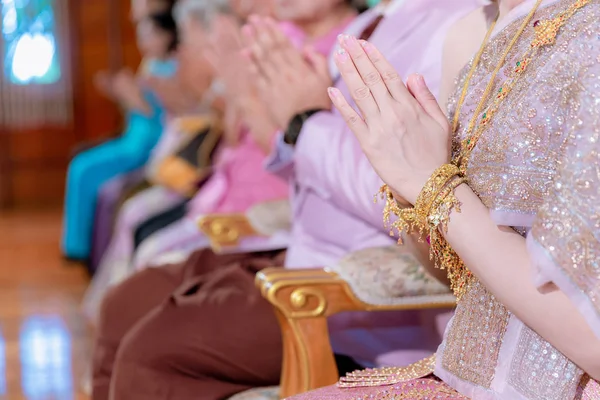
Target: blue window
(30, 46)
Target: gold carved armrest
(262, 220)
(226, 230)
(303, 299)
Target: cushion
(390, 276)
(270, 217)
(271, 393)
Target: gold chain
(465, 89)
(486, 94)
(545, 34)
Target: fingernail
(342, 55)
(333, 92)
(340, 38)
(368, 47)
(420, 80)
(350, 41)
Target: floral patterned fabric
(390, 275)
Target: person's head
(244, 8)
(194, 19)
(157, 35)
(141, 9)
(307, 10)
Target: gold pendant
(547, 30)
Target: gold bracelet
(431, 191)
(440, 251)
(416, 219)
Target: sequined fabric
(588, 390)
(532, 146)
(568, 223)
(474, 339)
(418, 389)
(544, 133)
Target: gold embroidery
(588, 389)
(416, 390)
(513, 172)
(513, 168)
(541, 372)
(388, 375)
(474, 337)
(568, 223)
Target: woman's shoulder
(462, 41)
(466, 35)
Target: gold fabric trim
(388, 375)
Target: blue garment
(162, 68)
(91, 169)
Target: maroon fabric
(198, 330)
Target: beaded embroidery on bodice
(512, 170)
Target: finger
(279, 38)
(282, 53)
(247, 35)
(391, 78)
(281, 41)
(419, 89)
(358, 90)
(317, 61)
(256, 51)
(251, 65)
(369, 74)
(353, 120)
(266, 67)
(263, 33)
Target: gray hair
(203, 11)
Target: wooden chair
(263, 227)
(303, 299)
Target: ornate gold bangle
(431, 191)
(440, 250)
(416, 219)
(431, 214)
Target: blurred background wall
(50, 51)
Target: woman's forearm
(419, 248)
(498, 257)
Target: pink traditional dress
(536, 167)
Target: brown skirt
(197, 330)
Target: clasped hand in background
(289, 80)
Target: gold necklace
(491, 82)
(545, 34)
(472, 70)
(409, 219)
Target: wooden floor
(44, 343)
